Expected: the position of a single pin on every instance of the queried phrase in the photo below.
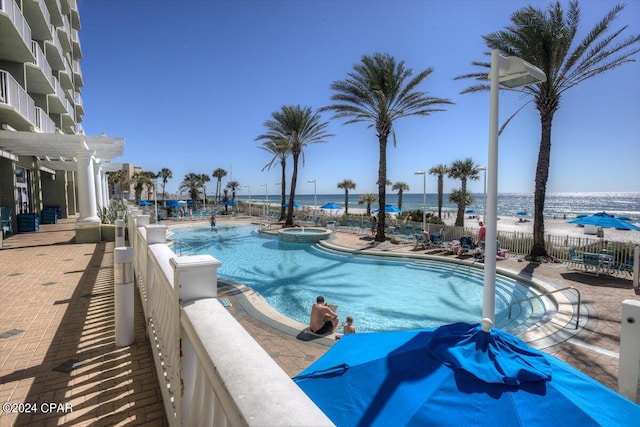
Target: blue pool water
(381, 293)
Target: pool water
(381, 293)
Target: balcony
(53, 49)
(15, 34)
(75, 42)
(64, 35)
(44, 122)
(75, 16)
(38, 17)
(39, 73)
(77, 75)
(55, 12)
(17, 109)
(65, 76)
(57, 100)
(79, 105)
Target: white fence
(211, 371)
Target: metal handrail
(189, 249)
(549, 293)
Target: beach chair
(625, 267)
(421, 241)
(592, 263)
(574, 259)
(467, 245)
(7, 221)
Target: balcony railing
(210, 370)
(44, 122)
(11, 93)
(11, 9)
(41, 61)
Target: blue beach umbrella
(230, 203)
(295, 205)
(390, 209)
(470, 211)
(145, 203)
(605, 220)
(521, 213)
(456, 375)
(330, 205)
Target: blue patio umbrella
(624, 218)
(456, 375)
(521, 213)
(145, 203)
(295, 205)
(605, 220)
(470, 211)
(175, 203)
(390, 209)
(230, 203)
(331, 205)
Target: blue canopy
(145, 203)
(230, 203)
(295, 205)
(330, 205)
(521, 213)
(175, 203)
(603, 219)
(456, 373)
(390, 209)
(470, 211)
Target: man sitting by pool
(323, 319)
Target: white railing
(10, 7)
(14, 95)
(211, 371)
(41, 61)
(44, 122)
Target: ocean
(556, 204)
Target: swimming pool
(381, 293)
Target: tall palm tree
(219, 174)
(547, 39)
(191, 184)
(204, 178)
(300, 127)
(368, 199)
(166, 175)
(463, 170)
(461, 199)
(346, 185)
(117, 180)
(400, 187)
(440, 171)
(279, 147)
(379, 91)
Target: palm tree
(233, 186)
(463, 170)
(461, 199)
(440, 171)
(204, 178)
(369, 199)
(300, 127)
(346, 185)
(544, 38)
(140, 180)
(117, 180)
(166, 175)
(400, 187)
(191, 184)
(279, 147)
(219, 174)
(379, 91)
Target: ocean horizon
(509, 204)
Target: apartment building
(45, 157)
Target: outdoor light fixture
(266, 198)
(315, 203)
(510, 72)
(248, 187)
(424, 197)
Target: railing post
(629, 350)
(123, 290)
(119, 233)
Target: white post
(195, 276)
(124, 298)
(119, 233)
(489, 290)
(629, 350)
(156, 233)
(636, 270)
(87, 202)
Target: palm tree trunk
(542, 175)
(346, 201)
(382, 187)
(283, 187)
(292, 194)
(440, 191)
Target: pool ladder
(180, 246)
(549, 293)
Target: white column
(123, 295)
(87, 205)
(105, 187)
(97, 170)
(629, 350)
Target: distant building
(45, 157)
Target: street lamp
(511, 72)
(315, 203)
(484, 200)
(424, 198)
(248, 187)
(266, 197)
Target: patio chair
(467, 245)
(7, 221)
(421, 241)
(574, 259)
(592, 262)
(626, 266)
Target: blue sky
(190, 84)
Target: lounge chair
(7, 221)
(421, 241)
(574, 259)
(467, 245)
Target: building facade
(45, 157)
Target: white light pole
(484, 200)
(155, 200)
(266, 198)
(315, 203)
(511, 72)
(424, 198)
(248, 187)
